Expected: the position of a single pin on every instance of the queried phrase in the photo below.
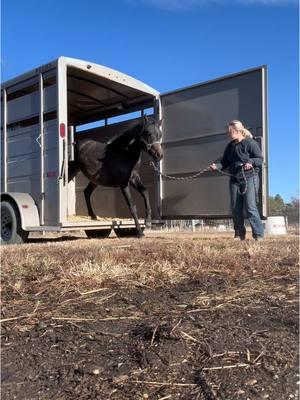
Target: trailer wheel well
(26, 209)
(11, 226)
(12, 201)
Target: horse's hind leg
(87, 194)
(133, 210)
(136, 182)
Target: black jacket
(238, 153)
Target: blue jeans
(247, 201)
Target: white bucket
(275, 226)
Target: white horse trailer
(46, 109)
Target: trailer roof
(97, 92)
(110, 74)
(93, 68)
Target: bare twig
(22, 316)
(166, 383)
(93, 319)
(175, 326)
(190, 337)
(153, 335)
(73, 319)
(40, 292)
(259, 356)
(36, 307)
(13, 318)
(80, 298)
(92, 291)
(248, 355)
(105, 298)
(226, 353)
(116, 318)
(241, 365)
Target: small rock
(96, 371)
(120, 379)
(269, 368)
(145, 396)
(251, 382)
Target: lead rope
(206, 169)
(175, 178)
(246, 185)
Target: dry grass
(154, 261)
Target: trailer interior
(100, 109)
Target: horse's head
(150, 138)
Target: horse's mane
(122, 140)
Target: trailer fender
(26, 206)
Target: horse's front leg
(136, 182)
(133, 210)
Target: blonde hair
(238, 126)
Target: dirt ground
(171, 316)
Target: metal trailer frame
(31, 212)
(55, 139)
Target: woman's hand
(248, 166)
(213, 166)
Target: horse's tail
(75, 147)
(73, 169)
(73, 166)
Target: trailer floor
(215, 327)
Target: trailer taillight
(62, 130)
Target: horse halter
(148, 145)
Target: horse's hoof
(140, 235)
(94, 217)
(148, 224)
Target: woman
(242, 158)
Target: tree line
(277, 206)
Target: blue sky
(170, 44)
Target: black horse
(116, 164)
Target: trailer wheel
(11, 231)
(126, 232)
(97, 233)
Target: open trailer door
(195, 135)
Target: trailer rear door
(195, 135)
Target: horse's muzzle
(157, 156)
(157, 153)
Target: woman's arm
(256, 157)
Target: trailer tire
(126, 232)
(97, 233)
(11, 230)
